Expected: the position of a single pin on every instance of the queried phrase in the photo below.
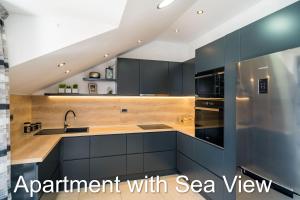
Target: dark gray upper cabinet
(128, 76)
(211, 56)
(160, 141)
(175, 78)
(154, 77)
(75, 148)
(232, 48)
(276, 32)
(108, 145)
(188, 78)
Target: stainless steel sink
(62, 131)
(154, 126)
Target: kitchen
(170, 101)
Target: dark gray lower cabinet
(135, 143)
(195, 172)
(108, 145)
(135, 164)
(75, 148)
(76, 169)
(159, 161)
(107, 167)
(160, 141)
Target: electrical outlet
(124, 110)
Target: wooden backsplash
(98, 111)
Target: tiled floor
(125, 194)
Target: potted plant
(62, 88)
(75, 89)
(68, 89)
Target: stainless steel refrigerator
(268, 117)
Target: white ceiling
(140, 20)
(216, 12)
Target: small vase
(75, 91)
(68, 90)
(61, 90)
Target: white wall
(83, 85)
(29, 37)
(160, 50)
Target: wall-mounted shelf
(99, 79)
(72, 94)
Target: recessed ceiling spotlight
(176, 30)
(106, 55)
(140, 41)
(164, 4)
(200, 12)
(67, 72)
(61, 64)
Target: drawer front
(135, 164)
(162, 141)
(159, 161)
(107, 167)
(76, 169)
(108, 145)
(209, 157)
(134, 143)
(75, 148)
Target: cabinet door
(276, 32)
(76, 169)
(128, 77)
(161, 141)
(135, 143)
(108, 167)
(188, 78)
(154, 77)
(108, 145)
(135, 164)
(175, 78)
(75, 148)
(159, 161)
(210, 157)
(185, 145)
(211, 56)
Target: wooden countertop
(34, 149)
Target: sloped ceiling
(140, 20)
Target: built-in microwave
(210, 84)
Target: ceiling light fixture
(61, 64)
(164, 4)
(140, 41)
(67, 72)
(200, 12)
(106, 55)
(177, 30)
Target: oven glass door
(210, 125)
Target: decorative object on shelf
(93, 88)
(62, 88)
(27, 127)
(109, 73)
(95, 75)
(75, 89)
(109, 90)
(68, 89)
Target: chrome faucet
(66, 116)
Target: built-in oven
(209, 120)
(209, 106)
(210, 84)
